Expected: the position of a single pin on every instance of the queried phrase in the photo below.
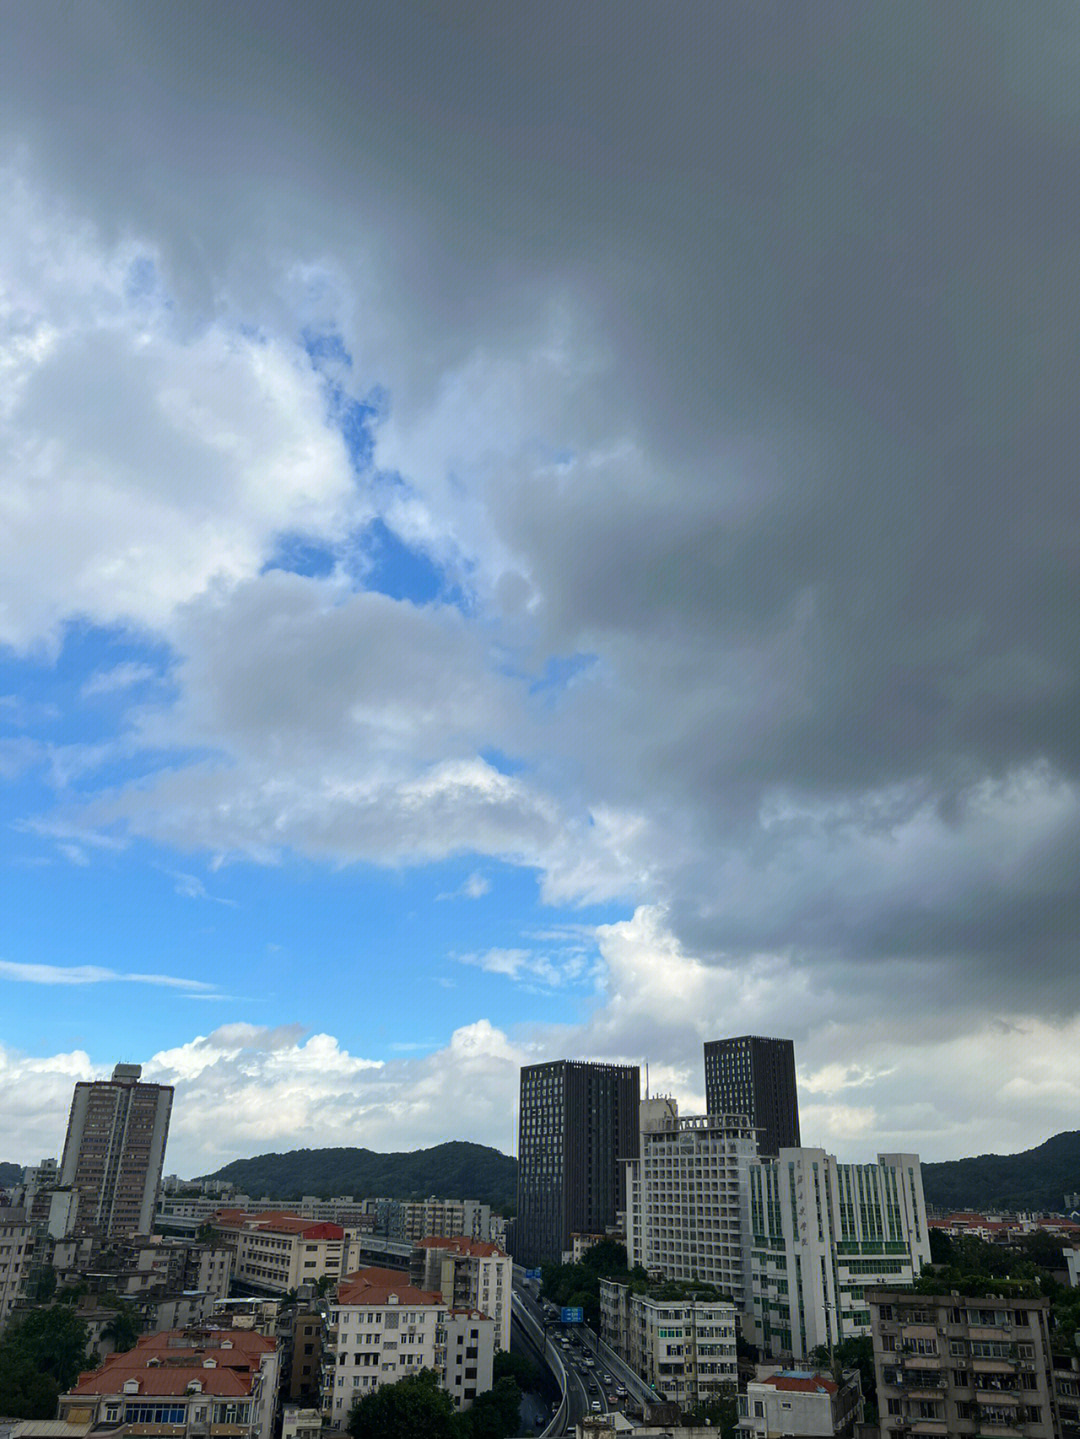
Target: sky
(536, 531)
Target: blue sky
(542, 537)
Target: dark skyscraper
(755, 1077)
(576, 1121)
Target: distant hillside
(1037, 1179)
(457, 1170)
(9, 1174)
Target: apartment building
(470, 1355)
(800, 1402)
(955, 1365)
(115, 1150)
(1066, 1383)
(16, 1250)
(822, 1233)
(278, 1252)
(755, 1076)
(379, 1328)
(303, 1357)
(680, 1340)
(192, 1381)
(449, 1218)
(686, 1197)
(577, 1122)
(469, 1274)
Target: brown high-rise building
(577, 1122)
(755, 1077)
(114, 1151)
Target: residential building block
(114, 1151)
(953, 1365)
(469, 1274)
(800, 1402)
(184, 1383)
(680, 1341)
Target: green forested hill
(457, 1170)
(9, 1174)
(1036, 1179)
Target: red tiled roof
(165, 1364)
(460, 1245)
(374, 1286)
(801, 1384)
(279, 1222)
(167, 1381)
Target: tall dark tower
(576, 1122)
(756, 1077)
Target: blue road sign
(571, 1316)
(534, 1274)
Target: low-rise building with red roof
(472, 1274)
(381, 1328)
(276, 1251)
(800, 1402)
(182, 1384)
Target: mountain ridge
(1033, 1179)
(456, 1169)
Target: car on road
(595, 1406)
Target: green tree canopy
(495, 1414)
(41, 1356)
(412, 1407)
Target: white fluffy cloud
(146, 459)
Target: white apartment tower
(686, 1210)
(822, 1234)
(114, 1151)
(681, 1341)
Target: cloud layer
(714, 371)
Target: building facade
(822, 1233)
(184, 1383)
(801, 1402)
(947, 1364)
(755, 1076)
(278, 1252)
(686, 1197)
(380, 1328)
(115, 1150)
(16, 1252)
(469, 1274)
(680, 1341)
(577, 1122)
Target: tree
(496, 1413)
(44, 1286)
(607, 1256)
(123, 1329)
(721, 1414)
(529, 1376)
(40, 1357)
(412, 1407)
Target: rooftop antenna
(646, 1079)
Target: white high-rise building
(822, 1234)
(686, 1211)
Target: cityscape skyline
(547, 535)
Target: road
(583, 1386)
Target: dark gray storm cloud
(819, 521)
